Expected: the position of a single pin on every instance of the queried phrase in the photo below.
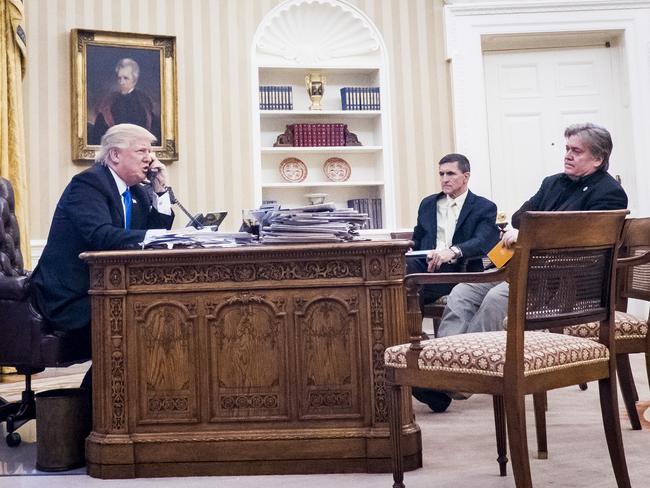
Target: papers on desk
(190, 237)
(421, 252)
(312, 223)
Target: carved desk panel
(252, 360)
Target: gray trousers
(475, 307)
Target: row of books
(307, 135)
(276, 97)
(370, 207)
(360, 98)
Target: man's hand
(159, 182)
(510, 237)
(436, 258)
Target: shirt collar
(459, 200)
(121, 185)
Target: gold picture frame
(123, 77)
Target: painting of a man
(121, 95)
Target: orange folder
(500, 254)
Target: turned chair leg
(395, 420)
(501, 432)
(516, 419)
(540, 403)
(628, 389)
(612, 426)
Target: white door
(532, 96)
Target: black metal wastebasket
(63, 421)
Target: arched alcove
(334, 39)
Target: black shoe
(436, 400)
(87, 382)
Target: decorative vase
(315, 83)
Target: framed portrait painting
(123, 78)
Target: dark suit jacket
(475, 234)
(88, 217)
(597, 191)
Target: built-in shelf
(284, 114)
(337, 184)
(322, 149)
(354, 56)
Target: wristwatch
(457, 252)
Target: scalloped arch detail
(316, 31)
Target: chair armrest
(478, 277)
(633, 260)
(413, 281)
(14, 287)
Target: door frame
(470, 28)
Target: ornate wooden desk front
(245, 361)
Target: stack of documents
(191, 237)
(313, 223)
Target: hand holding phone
(157, 175)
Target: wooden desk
(252, 360)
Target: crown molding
(479, 7)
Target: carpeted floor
(458, 449)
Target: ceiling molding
(478, 7)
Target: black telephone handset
(151, 174)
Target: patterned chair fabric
(627, 327)
(484, 353)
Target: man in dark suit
(456, 226)
(105, 207)
(585, 184)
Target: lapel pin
(585, 188)
(133, 200)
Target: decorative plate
(337, 169)
(293, 170)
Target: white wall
(466, 21)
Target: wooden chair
(557, 279)
(630, 332)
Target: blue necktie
(126, 196)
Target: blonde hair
(121, 136)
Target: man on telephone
(105, 207)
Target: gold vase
(315, 83)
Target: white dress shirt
(448, 210)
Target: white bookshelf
(353, 56)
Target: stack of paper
(191, 237)
(313, 223)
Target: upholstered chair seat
(484, 353)
(627, 327)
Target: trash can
(62, 425)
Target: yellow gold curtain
(13, 165)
